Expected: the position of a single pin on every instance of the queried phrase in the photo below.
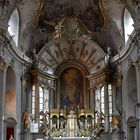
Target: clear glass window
(43, 102)
(128, 24)
(13, 26)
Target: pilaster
(3, 103)
(106, 107)
(36, 92)
(138, 95)
(92, 95)
(18, 104)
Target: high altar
(72, 112)
(71, 123)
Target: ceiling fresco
(39, 19)
(89, 12)
(76, 51)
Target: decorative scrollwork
(2, 63)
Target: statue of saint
(26, 120)
(116, 120)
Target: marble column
(137, 29)
(92, 96)
(138, 96)
(36, 83)
(24, 102)
(114, 104)
(18, 104)
(106, 107)
(50, 122)
(3, 85)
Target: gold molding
(38, 12)
(85, 27)
(101, 7)
(105, 19)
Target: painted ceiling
(102, 20)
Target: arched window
(43, 102)
(13, 26)
(132, 89)
(100, 100)
(128, 24)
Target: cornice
(125, 51)
(103, 76)
(18, 54)
(42, 74)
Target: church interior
(70, 69)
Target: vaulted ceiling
(100, 20)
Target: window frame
(12, 33)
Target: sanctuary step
(68, 138)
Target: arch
(75, 65)
(132, 84)
(77, 51)
(10, 100)
(13, 26)
(131, 89)
(89, 119)
(82, 119)
(11, 121)
(132, 128)
(54, 119)
(10, 126)
(128, 24)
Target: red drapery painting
(9, 133)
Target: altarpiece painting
(71, 92)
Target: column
(36, 100)
(106, 106)
(1, 101)
(24, 101)
(85, 120)
(50, 122)
(138, 96)
(18, 104)
(92, 96)
(57, 122)
(113, 98)
(57, 94)
(36, 83)
(137, 29)
(2, 136)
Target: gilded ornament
(2, 63)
